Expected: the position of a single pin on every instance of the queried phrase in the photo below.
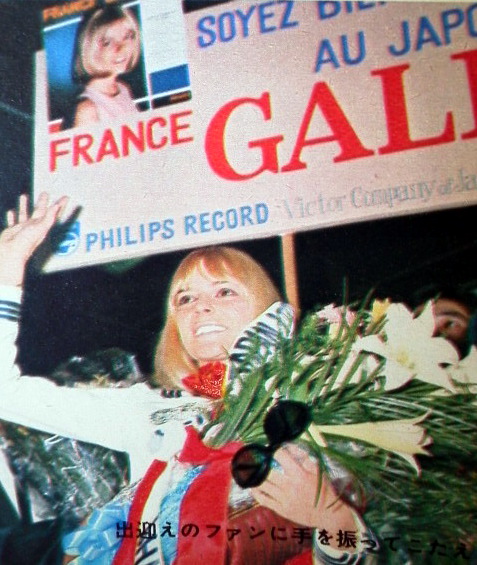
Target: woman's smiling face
(210, 314)
(114, 47)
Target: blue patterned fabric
(97, 542)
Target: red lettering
(55, 152)
(215, 142)
(108, 146)
(150, 133)
(81, 144)
(399, 138)
(153, 134)
(65, 10)
(470, 59)
(176, 127)
(127, 136)
(343, 133)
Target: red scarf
(127, 550)
(209, 381)
(205, 503)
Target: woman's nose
(204, 304)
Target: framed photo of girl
(109, 59)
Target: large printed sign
(285, 116)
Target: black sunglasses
(285, 421)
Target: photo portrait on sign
(112, 59)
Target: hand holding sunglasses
(284, 422)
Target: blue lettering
(204, 222)
(245, 213)
(326, 55)
(365, 5)
(328, 9)
(407, 41)
(223, 28)
(217, 220)
(209, 32)
(245, 18)
(348, 7)
(261, 211)
(231, 218)
(129, 240)
(263, 16)
(427, 34)
(91, 239)
(285, 23)
(168, 228)
(154, 227)
(189, 224)
(470, 20)
(451, 19)
(107, 239)
(345, 50)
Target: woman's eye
(226, 292)
(184, 299)
(130, 35)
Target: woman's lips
(209, 328)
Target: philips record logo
(70, 242)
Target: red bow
(208, 381)
(205, 503)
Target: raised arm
(24, 234)
(34, 401)
(117, 418)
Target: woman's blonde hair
(171, 360)
(83, 65)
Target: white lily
(410, 350)
(465, 371)
(403, 437)
(368, 365)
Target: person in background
(107, 46)
(453, 311)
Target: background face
(452, 320)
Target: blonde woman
(108, 45)
(218, 296)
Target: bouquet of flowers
(372, 391)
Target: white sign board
(286, 116)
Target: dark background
(83, 310)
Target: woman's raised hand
(24, 234)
